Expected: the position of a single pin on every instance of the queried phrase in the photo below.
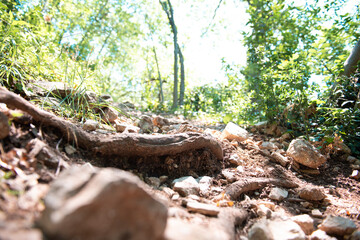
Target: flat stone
(186, 186)
(4, 126)
(91, 203)
(311, 194)
(153, 181)
(229, 175)
(305, 222)
(90, 125)
(278, 194)
(70, 149)
(276, 229)
(43, 88)
(339, 226)
(305, 153)
(316, 213)
(120, 127)
(234, 132)
(203, 208)
(320, 235)
(110, 115)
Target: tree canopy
(130, 49)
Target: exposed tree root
(252, 184)
(119, 144)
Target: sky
(203, 54)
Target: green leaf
(3, 6)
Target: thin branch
(210, 24)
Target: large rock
(305, 153)
(90, 203)
(305, 222)
(203, 208)
(276, 229)
(320, 235)
(58, 90)
(234, 132)
(311, 193)
(221, 227)
(186, 186)
(339, 226)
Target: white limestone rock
(276, 229)
(339, 226)
(186, 186)
(305, 222)
(305, 153)
(278, 194)
(234, 132)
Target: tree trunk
(176, 81)
(352, 61)
(161, 94)
(182, 77)
(167, 7)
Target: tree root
(127, 145)
(252, 184)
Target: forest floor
(24, 181)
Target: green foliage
(340, 115)
(19, 49)
(278, 67)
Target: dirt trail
(24, 178)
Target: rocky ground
(267, 185)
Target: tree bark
(161, 94)
(168, 9)
(182, 78)
(352, 61)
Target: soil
(18, 211)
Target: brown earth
(20, 173)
